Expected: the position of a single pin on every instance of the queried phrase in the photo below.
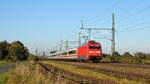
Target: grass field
(3, 63)
(28, 73)
(31, 73)
(3, 78)
(90, 73)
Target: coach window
(69, 52)
(65, 53)
(72, 52)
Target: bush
(27, 73)
(136, 58)
(32, 57)
(14, 51)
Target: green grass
(3, 77)
(27, 73)
(3, 63)
(30, 73)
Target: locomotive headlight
(90, 51)
(98, 52)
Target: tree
(32, 57)
(105, 55)
(14, 51)
(127, 54)
(116, 57)
(4, 49)
(116, 54)
(140, 55)
(17, 51)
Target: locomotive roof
(89, 42)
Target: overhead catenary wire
(134, 14)
(106, 19)
(130, 16)
(92, 20)
(102, 36)
(133, 26)
(135, 29)
(128, 28)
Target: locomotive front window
(94, 47)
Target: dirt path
(7, 67)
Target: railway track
(144, 66)
(131, 72)
(72, 77)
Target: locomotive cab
(95, 51)
(91, 51)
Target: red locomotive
(91, 51)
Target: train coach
(91, 51)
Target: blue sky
(42, 23)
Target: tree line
(127, 57)
(15, 51)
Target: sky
(43, 23)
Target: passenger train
(91, 51)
